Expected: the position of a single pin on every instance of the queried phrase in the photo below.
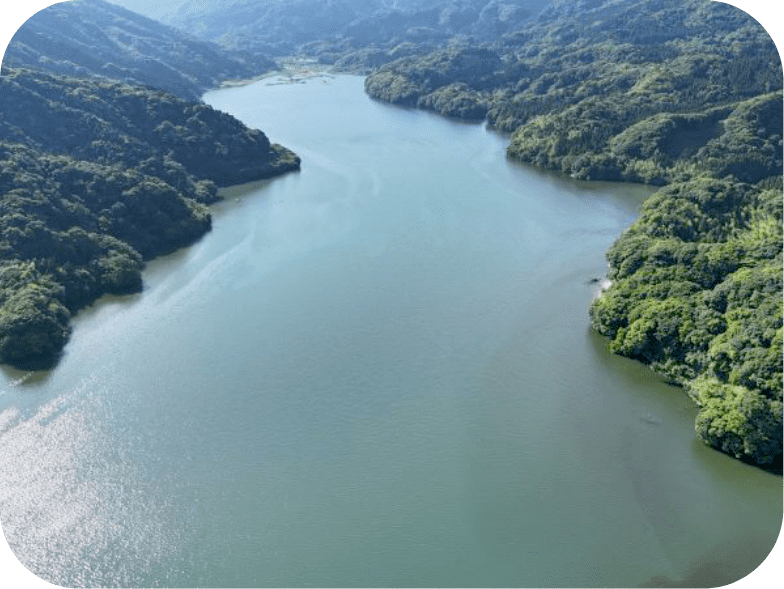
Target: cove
(378, 371)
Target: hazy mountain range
(279, 27)
(92, 37)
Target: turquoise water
(376, 372)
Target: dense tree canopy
(96, 177)
(686, 95)
(682, 94)
(697, 287)
(357, 33)
(93, 37)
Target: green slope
(98, 176)
(682, 94)
(93, 37)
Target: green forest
(107, 159)
(682, 95)
(352, 35)
(97, 177)
(96, 38)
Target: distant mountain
(155, 9)
(93, 37)
(334, 29)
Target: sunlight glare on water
(378, 371)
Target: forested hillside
(99, 173)
(353, 34)
(112, 122)
(93, 37)
(97, 177)
(682, 94)
(607, 57)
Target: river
(378, 371)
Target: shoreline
(293, 70)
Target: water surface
(376, 372)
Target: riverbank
(108, 197)
(291, 70)
(353, 380)
(696, 280)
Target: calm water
(378, 371)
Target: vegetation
(98, 176)
(96, 38)
(357, 35)
(686, 95)
(696, 294)
(98, 172)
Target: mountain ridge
(98, 38)
(100, 173)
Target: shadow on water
(711, 572)
(636, 372)
(31, 373)
(633, 371)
